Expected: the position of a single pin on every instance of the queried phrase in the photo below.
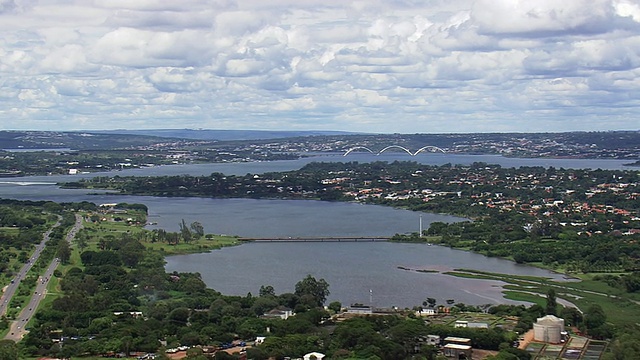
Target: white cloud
(66, 59)
(628, 9)
(543, 16)
(239, 23)
(493, 65)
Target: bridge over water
(427, 148)
(319, 239)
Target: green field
(621, 308)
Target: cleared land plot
(572, 353)
(552, 351)
(534, 349)
(577, 342)
(594, 350)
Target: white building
(433, 340)
(281, 313)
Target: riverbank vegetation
(581, 222)
(621, 309)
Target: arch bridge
(398, 147)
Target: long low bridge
(319, 239)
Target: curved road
(17, 328)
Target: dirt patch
(479, 354)
(178, 355)
(528, 337)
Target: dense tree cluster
(21, 226)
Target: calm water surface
(352, 270)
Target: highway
(10, 289)
(17, 328)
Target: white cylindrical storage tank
(548, 329)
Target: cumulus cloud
(397, 66)
(535, 18)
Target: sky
(384, 66)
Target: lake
(352, 269)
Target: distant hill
(222, 135)
(10, 139)
(119, 139)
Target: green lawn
(524, 296)
(197, 246)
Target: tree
(626, 347)
(431, 302)
(197, 229)
(552, 304)
(172, 238)
(256, 353)
(81, 241)
(8, 350)
(185, 233)
(311, 291)
(131, 253)
(179, 315)
(267, 290)
(263, 304)
(335, 306)
(126, 344)
(572, 316)
(594, 318)
(195, 354)
(194, 285)
(64, 251)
